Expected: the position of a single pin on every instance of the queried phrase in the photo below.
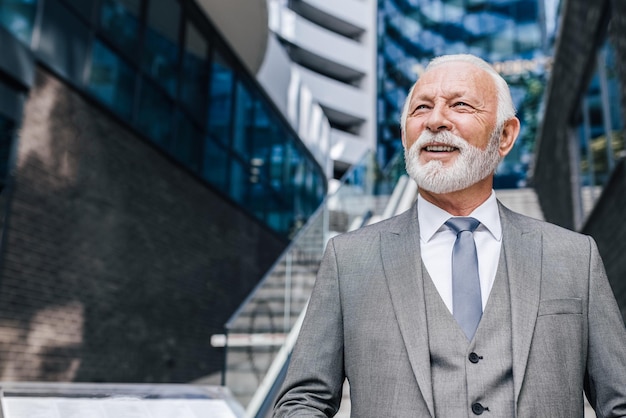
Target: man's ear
(403, 135)
(509, 135)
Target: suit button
(477, 408)
(474, 358)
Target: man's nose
(438, 119)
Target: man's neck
(461, 202)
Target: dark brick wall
(118, 265)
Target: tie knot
(461, 224)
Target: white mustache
(443, 138)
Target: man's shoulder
(395, 224)
(529, 224)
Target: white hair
(506, 108)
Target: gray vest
(472, 377)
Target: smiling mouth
(439, 148)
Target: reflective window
(156, 115)
(215, 165)
(167, 75)
(193, 82)
(7, 129)
(65, 46)
(220, 99)
(119, 20)
(187, 143)
(111, 80)
(83, 7)
(161, 43)
(18, 17)
(239, 176)
(243, 126)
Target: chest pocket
(570, 306)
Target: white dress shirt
(437, 240)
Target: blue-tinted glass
(83, 7)
(215, 165)
(221, 100)
(111, 80)
(7, 129)
(239, 175)
(243, 122)
(278, 168)
(161, 43)
(188, 143)
(63, 46)
(156, 115)
(259, 198)
(119, 19)
(18, 17)
(193, 82)
(279, 219)
(264, 137)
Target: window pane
(63, 40)
(161, 47)
(18, 17)
(7, 128)
(221, 100)
(111, 80)
(278, 168)
(238, 181)
(194, 70)
(156, 114)
(215, 165)
(187, 143)
(120, 21)
(84, 7)
(243, 126)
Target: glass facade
(160, 66)
(513, 35)
(7, 130)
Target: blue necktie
(467, 305)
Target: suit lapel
(523, 252)
(400, 251)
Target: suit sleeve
(314, 380)
(605, 380)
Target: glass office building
(160, 67)
(513, 35)
(147, 181)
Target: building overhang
(244, 24)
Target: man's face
(451, 138)
(456, 97)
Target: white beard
(471, 165)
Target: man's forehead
(454, 79)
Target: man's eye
(461, 104)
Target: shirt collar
(431, 218)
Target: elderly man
(459, 307)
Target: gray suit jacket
(366, 321)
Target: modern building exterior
(579, 172)
(321, 69)
(514, 35)
(148, 182)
